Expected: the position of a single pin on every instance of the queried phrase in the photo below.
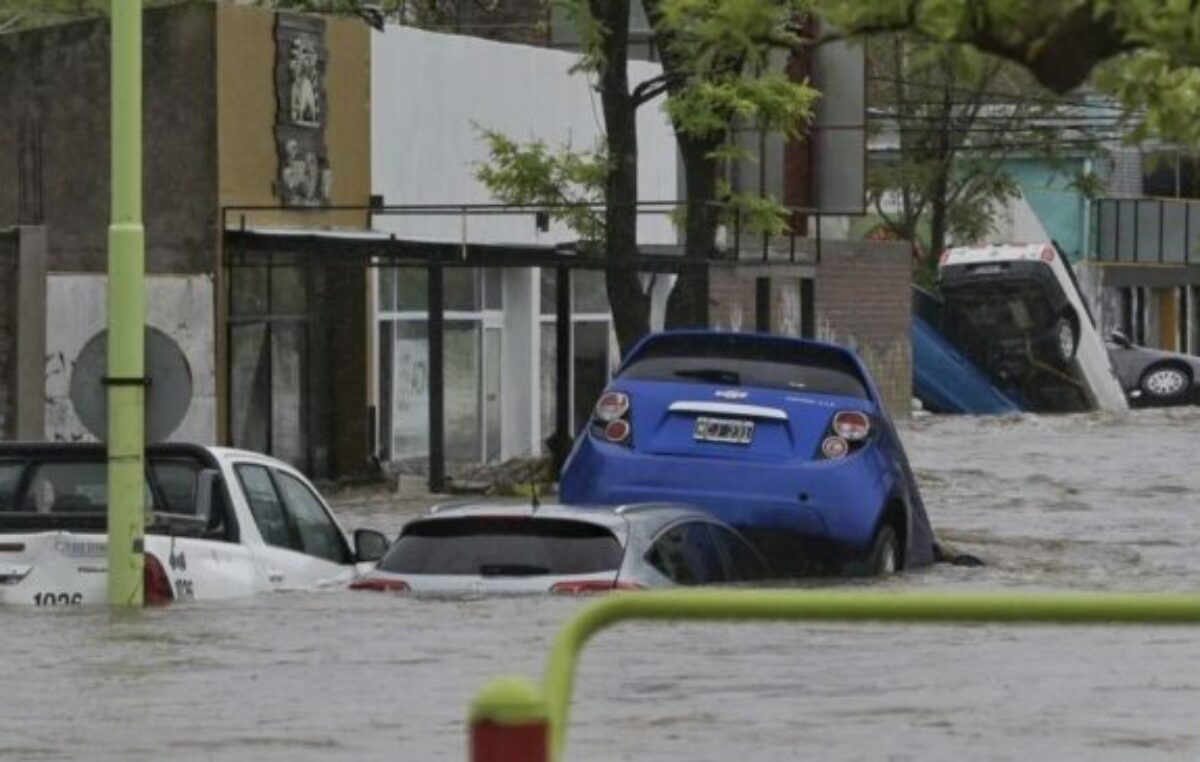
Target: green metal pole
(126, 314)
(829, 606)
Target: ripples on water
(1092, 502)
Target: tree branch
(649, 89)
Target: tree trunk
(939, 199)
(688, 305)
(630, 305)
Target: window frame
(481, 318)
(717, 531)
(19, 483)
(292, 531)
(686, 524)
(276, 478)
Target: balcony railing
(1148, 231)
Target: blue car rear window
(503, 546)
(736, 362)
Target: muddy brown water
(1092, 502)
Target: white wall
(180, 306)
(1014, 220)
(428, 91)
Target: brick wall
(863, 301)
(730, 301)
(863, 298)
(731, 295)
(8, 334)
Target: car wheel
(1165, 383)
(1065, 339)
(885, 560)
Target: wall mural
(305, 178)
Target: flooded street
(1087, 502)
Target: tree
(1145, 52)
(718, 77)
(27, 14)
(958, 117)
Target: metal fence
(514, 715)
(1148, 231)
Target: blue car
(785, 439)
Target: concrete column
(520, 382)
(30, 398)
(659, 295)
(1194, 319)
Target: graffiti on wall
(301, 112)
(178, 305)
(410, 398)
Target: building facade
(305, 178)
(216, 91)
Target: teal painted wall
(1060, 207)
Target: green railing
(516, 700)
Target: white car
(220, 523)
(508, 548)
(1018, 313)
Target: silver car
(510, 548)
(1154, 376)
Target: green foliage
(569, 183)
(27, 14)
(762, 215)
(957, 117)
(710, 107)
(720, 77)
(1144, 52)
(724, 60)
(591, 34)
(707, 36)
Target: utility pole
(126, 314)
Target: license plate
(987, 269)
(726, 430)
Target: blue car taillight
(610, 419)
(849, 432)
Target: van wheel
(1066, 340)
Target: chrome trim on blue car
(729, 408)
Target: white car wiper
(511, 570)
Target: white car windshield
(504, 546)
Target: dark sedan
(1154, 376)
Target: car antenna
(534, 502)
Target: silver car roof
(611, 517)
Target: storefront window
(462, 381)
(472, 343)
(590, 334)
(409, 388)
(460, 289)
(269, 371)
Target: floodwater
(1092, 502)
